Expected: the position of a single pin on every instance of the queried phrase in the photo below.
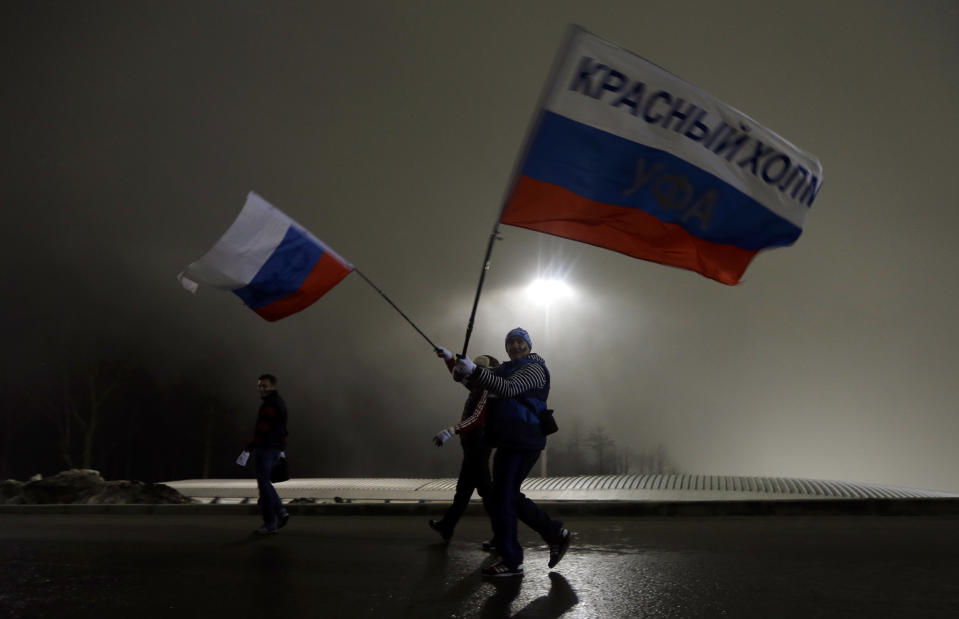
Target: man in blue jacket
(513, 427)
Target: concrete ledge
(614, 509)
(587, 488)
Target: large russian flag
(268, 260)
(624, 155)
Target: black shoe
(437, 525)
(284, 518)
(559, 548)
(265, 531)
(502, 570)
(490, 546)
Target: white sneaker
(501, 570)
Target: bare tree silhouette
(603, 448)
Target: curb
(615, 509)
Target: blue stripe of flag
(602, 167)
(284, 271)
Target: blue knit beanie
(518, 332)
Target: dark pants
(474, 475)
(510, 468)
(270, 505)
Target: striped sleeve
(530, 376)
(474, 420)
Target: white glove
(442, 436)
(464, 367)
(443, 353)
(243, 457)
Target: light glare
(546, 291)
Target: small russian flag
(276, 266)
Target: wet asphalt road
(393, 566)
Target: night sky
(133, 132)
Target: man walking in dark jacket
(269, 441)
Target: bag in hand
(547, 424)
(281, 471)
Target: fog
(134, 131)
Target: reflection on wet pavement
(358, 566)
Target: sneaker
(490, 546)
(437, 525)
(559, 548)
(284, 518)
(265, 531)
(502, 570)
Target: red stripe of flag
(554, 210)
(326, 274)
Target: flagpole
(571, 31)
(382, 294)
(494, 235)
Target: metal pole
(494, 235)
(360, 273)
